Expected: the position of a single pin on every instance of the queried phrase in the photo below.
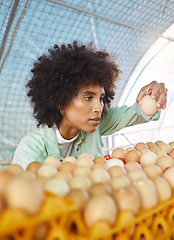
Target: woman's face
(83, 112)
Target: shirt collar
(80, 137)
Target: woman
(71, 90)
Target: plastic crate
(152, 224)
(18, 225)
(65, 223)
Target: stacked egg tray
(64, 222)
(53, 215)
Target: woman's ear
(60, 109)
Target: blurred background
(139, 32)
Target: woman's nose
(98, 107)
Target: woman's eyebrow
(93, 93)
(89, 92)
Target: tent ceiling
(29, 27)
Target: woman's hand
(157, 91)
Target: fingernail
(153, 97)
(158, 105)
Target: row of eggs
(142, 174)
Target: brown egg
(144, 150)
(47, 171)
(150, 144)
(5, 177)
(148, 158)
(127, 199)
(28, 175)
(52, 160)
(152, 171)
(171, 154)
(14, 168)
(160, 153)
(165, 147)
(168, 175)
(163, 188)
(78, 196)
(80, 182)
(82, 170)
(100, 208)
(117, 171)
(148, 105)
(171, 144)
(131, 166)
(85, 154)
(165, 162)
(139, 146)
(67, 166)
(148, 193)
(99, 176)
(24, 194)
(42, 181)
(64, 175)
(158, 142)
(34, 167)
(99, 160)
(129, 148)
(57, 186)
(120, 181)
(99, 165)
(84, 161)
(154, 149)
(118, 153)
(136, 175)
(99, 188)
(70, 159)
(132, 156)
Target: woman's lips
(95, 120)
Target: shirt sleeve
(121, 117)
(31, 148)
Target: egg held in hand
(148, 105)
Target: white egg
(114, 162)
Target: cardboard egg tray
(64, 222)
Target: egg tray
(65, 223)
(16, 224)
(152, 224)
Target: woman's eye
(101, 99)
(88, 98)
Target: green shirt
(40, 144)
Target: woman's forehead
(93, 88)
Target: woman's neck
(68, 132)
